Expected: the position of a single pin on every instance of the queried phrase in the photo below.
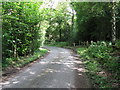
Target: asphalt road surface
(59, 69)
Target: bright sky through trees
(54, 3)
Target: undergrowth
(59, 44)
(21, 61)
(101, 64)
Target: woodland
(92, 29)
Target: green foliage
(59, 44)
(102, 53)
(57, 23)
(22, 61)
(118, 43)
(94, 21)
(97, 80)
(93, 67)
(21, 29)
(99, 50)
(99, 55)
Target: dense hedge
(21, 29)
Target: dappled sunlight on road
(5, 83)
(43, 62)
(64, 52)
(32, 72)
(16, 82)
(56, 70)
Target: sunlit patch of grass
(81, 50)
(22, 61)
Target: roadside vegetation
(59, 44)
(12, 63)
(22, 36)
(102, 64)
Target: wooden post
(79, 43)
(97, 42)
(74, 44)
(87, 43)
(84, 43)
(91, 42)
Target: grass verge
(64, 45)
(22, 61)
(95, 71)
(59, 44)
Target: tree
(94, 21)
(21, 30)
(114, 22)
(58, 27)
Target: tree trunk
(72, 21)
(72, 26)
(60, 32)
(114, 22)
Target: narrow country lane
(59, 69)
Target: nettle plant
(99, 50)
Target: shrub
(101, 52)
(100, 55)
(118, 43)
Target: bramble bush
(102, 53)
(99, 50)
(98, 56)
